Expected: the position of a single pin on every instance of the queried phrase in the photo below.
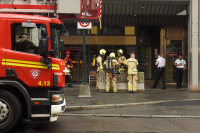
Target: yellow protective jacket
(121, 58)
(132, 65)
(99, 60)
(114, 64)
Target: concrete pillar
(194, 77)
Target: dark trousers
(179, 76)
(160, 73)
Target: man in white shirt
(180, 64)
(160, 72)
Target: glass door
(155, 51)
(145, 61)
(75, 61)
(174, 48)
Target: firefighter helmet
(102, 52)
(68, 52)
(120, 51)
(112, 55)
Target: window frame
(9, 32)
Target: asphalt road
(91, 124)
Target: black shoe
(130, 91)
(164, 88)
(176, 87)
(153, 87)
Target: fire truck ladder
(67, 9)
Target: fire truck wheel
(10, 111)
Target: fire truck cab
(32, 69)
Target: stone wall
(122, 82)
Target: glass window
(119, 30)
(79, 32)
(72, 29)
(56, 42)
(25, 40)
(105, 30)
(145, 61)
(110, 30)
(74, 57)
(142, 32)
(126, 50)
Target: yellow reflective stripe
(134, 88)
(107, 88)
(26, 65)
(115, 89)
(129, 87)
(28, 62)
(55, 68)
(56, 65)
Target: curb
(107, 106)
(128, 115)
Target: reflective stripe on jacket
(132, 65)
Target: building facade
(145, 27)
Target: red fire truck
(32, 69)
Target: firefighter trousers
(114, 80)
(97, 82)
(132, 82)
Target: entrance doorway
(174, 41)
(174, 48)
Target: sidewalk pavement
(115, 100)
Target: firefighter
(121, 59)
(68, 65)
(111, 66)
(99, 60)
(23, 44)
(132, 73)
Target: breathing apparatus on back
(110, 66)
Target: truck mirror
(62, 49)
(28, 25)
(44, 32)
(43, 47)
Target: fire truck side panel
(59, 76)
(26, 64)
(3, 39)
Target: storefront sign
(84, 25)
(173, 54)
